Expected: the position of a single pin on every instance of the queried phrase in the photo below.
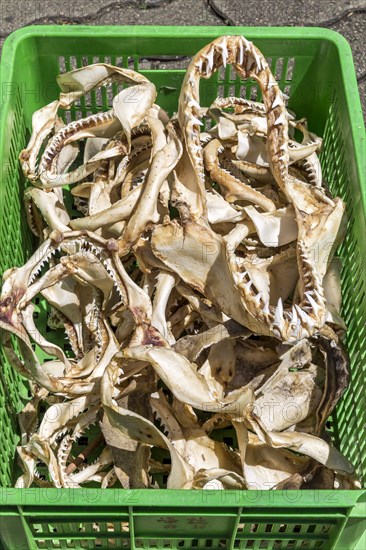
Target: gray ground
(347, 17)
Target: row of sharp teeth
(278, 316)
(32, 222)
(252, 107)
(72, 338)
(139, 149)
(72, 128)
(79, 246)
(78, 434)
(64, 451)
(90, 247)
(158, 417)
(107, 264)
(53, 148)
(244, 46)
(97, 251)
(140, 131)
(312, 174)
(39, 267)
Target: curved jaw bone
(75, 84)
(22, 285)
(249, 62)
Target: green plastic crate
(313, 66)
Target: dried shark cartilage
(88, 473)
(251, 146)
(192, 346)
(336, 364)
(53, 212)
(142, 430)
(191, 387)
(317, 476)
(11, 319)
(61, 417)
(117, 212)
(274, 277)
(99, 197)
(141, 96)
(239, 105)
(135, 163)
(145, 212)
(266, 467)
(332, 293)
(191, 441)
(310, 144)
(49, 174)
(193, 268)
(92, 146)
(274, 228)
(138, 428)
(302, 443)
(202, 264)
(235, 189)
(126, 114)
(280, 409)
(248, 61)
(218, 478)
(64, 298)
(253, 171)
(247, 114)
(164, 286)
(32, 330)
(219, 210)
(17, 319)
(28, 417)
(38, 448)
(219, 367)
(131, 458)
(205, 308)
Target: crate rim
(178, 498)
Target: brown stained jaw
(9, 316)
(24, 155)
(152, 337)
(7, 306)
